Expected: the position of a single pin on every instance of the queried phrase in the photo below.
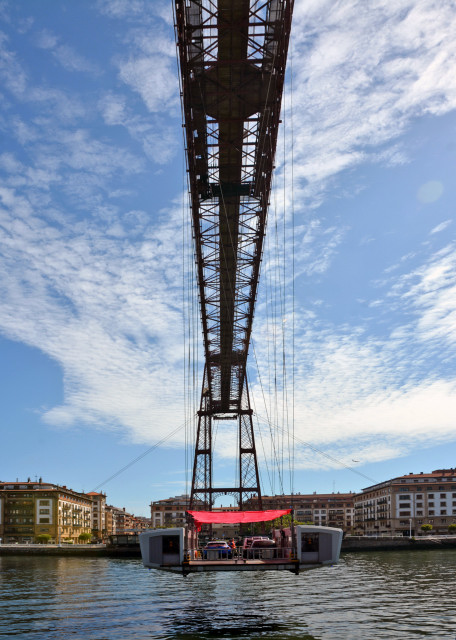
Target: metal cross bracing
(232, 60)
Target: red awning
(226, 517)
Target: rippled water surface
(367, 596)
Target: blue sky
(95, 324)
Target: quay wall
(83, 550)
(349, 544)
(355, 543)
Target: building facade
(98, 524)
(324, 509)
(400, 506)
(30, 509)
(169, 512)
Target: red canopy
(225, 517)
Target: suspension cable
(321, 452)
(141, 456)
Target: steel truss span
(232, 61)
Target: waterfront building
(99, 529)
(324, 509)
(119, 521)
(110, 520)
(30, 509)
(141, 523)
(115, 519)
(401, 505)
(332, 510)
(169, 512)
(125, 522)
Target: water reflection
(367, 596)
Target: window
(443, 521)
(419, 513)
(430, 495)
(44, 503)
(44, 511)
(419, 496)
(44, 520)
(443, 512)
(404, 513)
(443, 495)
(431, 513)
(419, 504)
(404, 498)
(431, 504)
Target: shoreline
(354, 544)
(91, 551)
(350, 544)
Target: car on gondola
(217, 549)
(259, 547)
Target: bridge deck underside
(232, 58)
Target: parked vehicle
(220, 548)
(249, 539)
(259, 547)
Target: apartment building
(125, 521)
(29, 509)
(325, 509)
(401, 505)
(169, 512)
(99, 529)
(141, 523)
(111, 519)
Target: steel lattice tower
(232, 61)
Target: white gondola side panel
(318, 545)
(162, 548)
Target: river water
(404, 594)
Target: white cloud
(360, 74)
(433, 296)
(157, 137)
(103, 309)
(441, 227)
(129, 9)
(11, 72)
(357, 395)
(65, 55)
(154, 78)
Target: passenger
(232, 544)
